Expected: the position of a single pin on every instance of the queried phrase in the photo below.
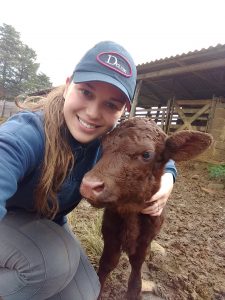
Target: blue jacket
(21, 153)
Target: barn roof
(193, 75)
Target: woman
(44, 153)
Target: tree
(18, 66)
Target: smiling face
(91, 109)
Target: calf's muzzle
(91, 188)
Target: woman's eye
(85, 92)
(147, 155)
(112, 106)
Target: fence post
(3, 109)
(135, 102)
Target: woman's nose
(93, 111)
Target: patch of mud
(193, 237)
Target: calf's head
(132, 163)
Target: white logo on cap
(112, 60)
(116, 62)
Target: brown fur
(124, 179)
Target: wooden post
(169, 114)
(3, 109)
(211, 113)
(135, 101)
(163, 120)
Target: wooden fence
(181, 114)
(7, 108)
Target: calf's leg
(149, 228)
(112, 246)
(134, 283)
(108, 261)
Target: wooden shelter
(186, 92)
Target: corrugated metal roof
(198, 74)
(201, 52)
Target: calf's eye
(147, 155)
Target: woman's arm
(21, 144)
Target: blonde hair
(58, 157)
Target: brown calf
(127, 175)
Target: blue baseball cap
(108, 62)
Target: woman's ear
(68, 81)
(124, 110)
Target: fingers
(158, 213)
(155, 209)
(157, 196)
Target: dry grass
(86, 224)
(2, 120)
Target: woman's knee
(36, 253)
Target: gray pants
(42, 260)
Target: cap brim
(79, 77)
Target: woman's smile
(87, 124)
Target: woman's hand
(159, 200)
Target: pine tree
(18, 66)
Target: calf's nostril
(99, 188)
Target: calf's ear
(186, 144)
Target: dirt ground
(192, 263)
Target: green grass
(217, 172)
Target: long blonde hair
(58, 157)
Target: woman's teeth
(86, 124)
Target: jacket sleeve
(171, 168)
(21, 148)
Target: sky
(61, 32)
